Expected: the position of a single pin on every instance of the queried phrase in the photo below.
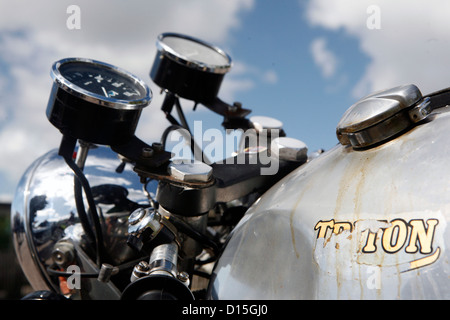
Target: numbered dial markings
(102, 81)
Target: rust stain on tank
(351, 188)
(291, 221)
(360, 186)
(353, 177)
(306, 186)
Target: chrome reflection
(43, 211)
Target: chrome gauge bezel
(110, 102)
(170, 53)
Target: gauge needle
(104, 91)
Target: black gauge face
(102, 81)
(95, 101)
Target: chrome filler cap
(382, 115)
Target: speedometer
(101, 81)
(96, 101)
(189, 67)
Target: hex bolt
(63, 254)
(289, 149)
(262, 122)
(157, 146)
(235, 107)
(190, 171)
(147, 152)
(183, 276)
(143, 266)
(136, 216)
(140, 270)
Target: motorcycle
(108, 216)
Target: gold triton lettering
(323, 226)
(341, 226)
(424, 237)
(424, 261)
(394, 237)
(414, 236)
(336, 227)
(370, 246)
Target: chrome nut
(189, 171)
(289, 149)
(262, 122)
(63, 253)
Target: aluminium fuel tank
(364, 220)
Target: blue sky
(278, 37)
(303, 62)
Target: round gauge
(194, 53)
(188, 67)
(95, 101)
(101, 83)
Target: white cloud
(270, 77)
(34, 34)
(245, 77)
(411, 46)
(323, 57)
